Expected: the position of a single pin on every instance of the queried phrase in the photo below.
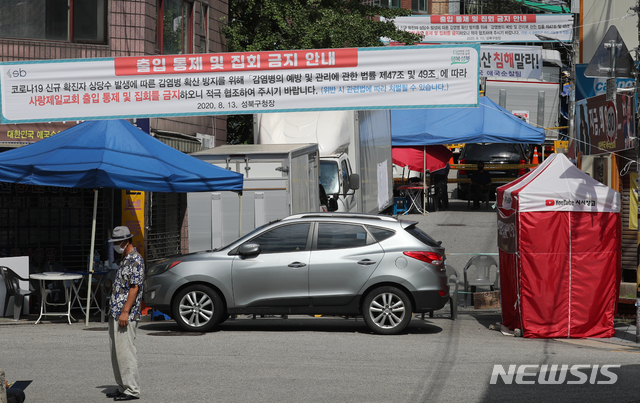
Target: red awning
(422, 158)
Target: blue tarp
(112, 154)
(488, 123)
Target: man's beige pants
(123, 356)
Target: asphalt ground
(307, 359)
(325, 359)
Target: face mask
(118, 249)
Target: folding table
(67, 279)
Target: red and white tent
(559, 239)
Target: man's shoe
(114, 394)
(123, 397)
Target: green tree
(258, 25)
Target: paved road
(304, 359)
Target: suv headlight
(161, 267)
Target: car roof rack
(342, 215)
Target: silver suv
(316, 263)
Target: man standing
(480, 183)
(126, 298)
(440, 180)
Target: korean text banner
(240, 83)
(504, 61)
(488, 28)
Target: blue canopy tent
(111, 154)
(488, 123)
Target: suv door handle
(366, 262)
(297, 264)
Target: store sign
(240, 83)
(22, 134)
(488, 28)
(604, 126)
(505, 61)
(587, 87)
(508, 62)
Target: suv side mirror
(332, 204)
(354, 181)
(249, 249)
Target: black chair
(12, 285)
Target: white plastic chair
(478, 273)
(454, 280)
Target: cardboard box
(486, 300)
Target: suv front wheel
(387, 310)
(198, 308)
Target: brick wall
(439, 7)
(18, 50)
(132, 27)
(405, 4)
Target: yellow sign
(133, 217)
(561, 144)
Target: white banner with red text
(488, 28)
(240, 83)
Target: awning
(488, 123)
(547, 8)
(422, 158)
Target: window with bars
(387, 3)
(164, 225)
(419, 6)
(204, 28)
(82, 21)
(174, 29)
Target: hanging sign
(240, 83)
(604, 126)
(508, 62)
(488, 28)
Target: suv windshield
(495, 150)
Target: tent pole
(93, 242)
(240, 217)
(424, 179)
